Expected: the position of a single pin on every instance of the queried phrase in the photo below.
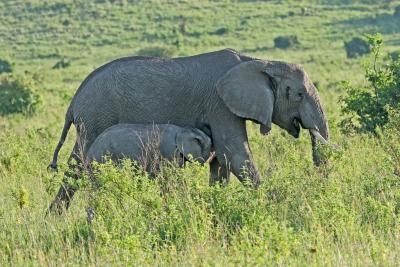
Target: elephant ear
(247, 91)
(188, 143)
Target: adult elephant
(215, 92)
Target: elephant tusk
(318, 136)
(211, 157)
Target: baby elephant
(147, 144)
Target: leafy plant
(220, 31)
(357, 47)
(397, 11)
(366, 108)
(286, 41)
(17, 95)
(395, 55)
(62, 64)
(390, 136)
(23, 197)
(5, 66)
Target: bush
(397, 12)
(357, 47)
(306, 11)
(5, 66)
(130, 207)
(395, 55)
(157, 51)
(366, 108)
(174, 209)
(220, 31)
(390, 137)
(17, 95)
(286, 41)
(62, 64)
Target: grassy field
(346, 213)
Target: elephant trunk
(319, 134)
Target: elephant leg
(243, 166)
(219, 173)
(232, 149)
(236, 154)
(66, 192)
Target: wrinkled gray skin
(215, 92)
(144, 142)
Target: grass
(346, 213)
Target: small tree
(285, 42)
(366, 108)
(356, 47)
(5, 66)
(397, 11)
(17, 95)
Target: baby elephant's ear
(190, 143)
(204, 141)
(246, 91)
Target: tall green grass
(345, 213)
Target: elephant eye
(301, 95)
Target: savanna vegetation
(343, 213)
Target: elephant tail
(67, 125)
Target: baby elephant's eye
(301, 95)
(198, 141)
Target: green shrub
(390, 137)
(286, 41)
(175, 210)
(5, 66)
(62, 64)
(129, 206)
(17, 95)
(397, 11)
(220, 31)
(357, 47)
(395, 55)
(366, 108)
(157, 51)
